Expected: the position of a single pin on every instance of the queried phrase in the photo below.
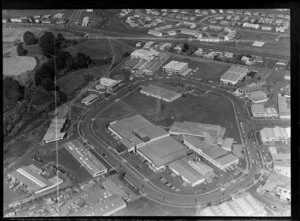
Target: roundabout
(86, 130)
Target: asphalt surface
(150, 190)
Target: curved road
(150, 190)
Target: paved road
(138, 179)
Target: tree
(21, 51)
(61, 58)
(46, 43)
(45, 71)
(48, 84)
(185, 47)
(29, 38)
(12, 90)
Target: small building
(249, 25)
(228, 55)
(175, 67)
(91, 98)
(85, 21)
(155, 33)
(257, 97)
(258, 110)
(111, 85)
(234, 74)
(258, 44)
(144, 54)
(287, 75)
(54, 132)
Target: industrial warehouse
(258, 97)
(30, 177)
(55, 130)
(275, 134)
(160, 92)
(91, 98)
(192, 172)
(85, 158)
(216, 155)
(234, 74)
(175, 67)
(211, 133)
(135, 131)
(284, 107)
(110, 85)
(258, 110)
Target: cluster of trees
(20, 50)
(12, 90)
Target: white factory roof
(258, 43)
(278, 132)
(89, 98)
(245, 205)
(175, 65)
(107, 81)
(283, 105)
(234, 74)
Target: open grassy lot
(72, 82)
(143, 104)
(258, 37)
(66, 160)
(97, 49)
(114, 111)
(275, 76)
(209, 71)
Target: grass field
(209, 71)
(115, 111)
(66, 160)
(258, 37)
(97, 49)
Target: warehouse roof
(163, 151)
(215, 152)
(111, 187)
(186, 171)
(84, 157)
(107, 81)
(234, 73)
(258, 43)
(199, 166)
(257, 96)
(197, 129)
(89, 98)
(226, 159)
(197, 142)
(175, 65)
(227, 144)
(159, 91)
(128, 127)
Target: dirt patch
(13, 66)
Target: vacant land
(72, 82)
(14, 66)
(209, 71)
(97, 49)
(258, 37)
(114, 111)
(64, 158)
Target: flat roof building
(258, 110)
(234, 74)
(227, 144)
(85, 158)
(187, 173)
(113, 188)
(54, 132)
(162, 151)
(207, 131)
(89, 99)
(175, 67)
(214, 154)
(284, 107)
(245, 205)
(29, 176)
(160, 92)
(144, 54)
(258, 44)
(257, 97)
(202, 168)
(134, 131)
(270, 135)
